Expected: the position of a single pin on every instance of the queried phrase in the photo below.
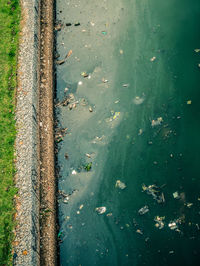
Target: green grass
(9, 29)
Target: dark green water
(116, 40)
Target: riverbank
(9, 32)
(35, 238)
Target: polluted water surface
(127, 132)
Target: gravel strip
(26, 245)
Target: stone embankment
(35, 240)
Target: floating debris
(156, 122)
(88, 167)
(80, 83)
(153, 59)
(126, 85)
(121, 51)
(120, 184)
(60, 62)
(155, 192)
(159, 222)
(77, 24)
(66, 196)
(81, 207)
(189, 102)
(60, 133)
(66, 156)
(143, 210)
(84, 74)
(90, 109)
(172, 225)
(74, 172)
(176, 195)
(104, 80)
(139, 231)
(197, 50)
(100, 210)
(189, 204)
(138, 100)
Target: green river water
(142, 60)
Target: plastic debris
(81, 207)
(84, 74)
(155, 192)
(120, 184)
(197, 50)
(74, 172)
(104, 32)
(138, 100)
(159, 222)
(116, 115)
(139, 231)
(143, 210)
(189, 204)
(68, 24)
(100, 210)
(121, 51)
(140, 132)
(189, 102)
(172, 225)
(90, 109)
(156, 122)
(104, 80)
(176, 195)
(77, 24)
(126, 85)
(153, 59)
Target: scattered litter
(172, 225)
(88, 155)
(66, 196)
(143, 210)
(84, 74)
(104, 80)
(104, 32)
(109, 214)
(197, 50)
(153, 59)
(74, 172)
(121, 51)
(120, 184)
(68, 24)
(81, 207)
(126, 85)
(25, 252)
(77, 24)
(138, 100)
(155, 192)
(88, 167)
(189, 102)
(116, 115)
(176, 195)
(140, 132)
(171, 252)
(90, 109)
(156, 122)
(139, 231)
(60, 133)
(100, 210)
(159, 222)
(80, 83)
(92, 23)
(189, 205)
(60, 62)
(66, 156)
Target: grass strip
(9, 32)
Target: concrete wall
(26, 245)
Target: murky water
(135, 117)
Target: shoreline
(35, 236)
